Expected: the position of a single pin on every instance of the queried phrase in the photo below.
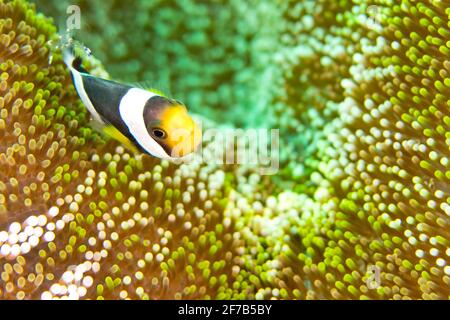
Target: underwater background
(360, 206)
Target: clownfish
(142, 120)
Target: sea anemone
(81, 217)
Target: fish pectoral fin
(114, 133)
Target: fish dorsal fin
(157, 91)
(145, 85)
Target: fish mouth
(188, 142)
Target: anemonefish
(142, 120)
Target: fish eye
(159, 133)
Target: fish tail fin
(72, 52)
(72, 60)
(69, 56)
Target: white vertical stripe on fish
(78, 81)
(131, 110)
(68, 58)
